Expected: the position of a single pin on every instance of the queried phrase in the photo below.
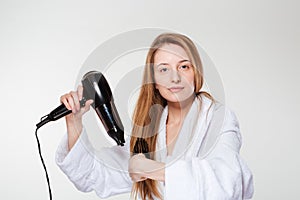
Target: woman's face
(173, 73)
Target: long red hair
(150, 104)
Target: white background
(254, 44)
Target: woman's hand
(141, 168)
(74, 120)
(136, 171)
(72, 101)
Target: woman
(193, 141)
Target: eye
(184, 67)
(163, 69)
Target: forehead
(169, 53)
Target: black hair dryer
(95, 87)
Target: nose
(175, 76)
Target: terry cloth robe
(205, 163)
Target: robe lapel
(191, 134)
(161, 150)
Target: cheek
(160, 80)
(189, 78)
(160, 87)
(192, 79)
(163, 91)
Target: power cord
(40, 153)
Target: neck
(178, 110)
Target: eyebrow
(168, 64)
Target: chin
(178, 98)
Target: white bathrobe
(205, 163)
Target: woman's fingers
(63, 100)
(76, 102)
(67, 99)
(137, 177)
(135, 168)
(79, 91)
(72, 101)
(88, 104)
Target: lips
(176, 89)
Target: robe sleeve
(221, 175)
(88, 171)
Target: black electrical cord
(47, 177)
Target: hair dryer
(95, 87)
